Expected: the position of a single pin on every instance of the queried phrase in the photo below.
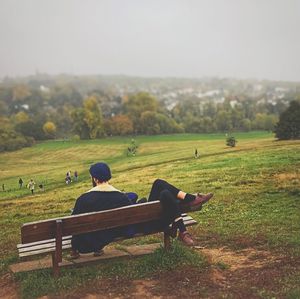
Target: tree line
(30, 113)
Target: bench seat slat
(48, 246)
(47, 250)
(43, 246)
(50, 242)
(19, 246)
(95, 221)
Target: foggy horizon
(180, 39)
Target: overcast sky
(178, 38)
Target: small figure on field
(196, 154)
(3, 187)
(68, 178)
(75, 176)
(20, 183)
(131, 150)
(41, 186)
(104, 196)
(230, 141)
(31, 185)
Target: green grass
(256, 186)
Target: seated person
(104, 196)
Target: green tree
(32, 129)
(288, 126)
(168, 125)
(137, 104)
(149, 123)
(88, 121)
(246, 125)
(10, 139)
(264, 121)
(223, 121)
(80, 127)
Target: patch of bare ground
(8, 288)
(245, 258)
(231, 274)
(246, 273)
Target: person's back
(94, 201)
(100, 198)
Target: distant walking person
(196, 153)
(20, 183)
(31, 185)
(3, 187)
(68, 178)
(75, 175)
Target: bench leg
(57, 254)
(167, 241)
(55, 265)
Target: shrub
(230, 141)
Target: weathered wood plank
(77, 224)
(47, 246)
(89, 222)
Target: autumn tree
(118, 125)
(49, 129)
(20, 92)
(21, 117)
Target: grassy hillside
(256, 184)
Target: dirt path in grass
(8, 289)
(247, 273)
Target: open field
(253, 218)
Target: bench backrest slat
(72, 225)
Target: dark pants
(167, 195)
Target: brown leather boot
(186, 238)
(200, 200)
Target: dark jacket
(94, 201)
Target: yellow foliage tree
(49, 129)
(21, 117)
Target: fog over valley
(239, 39)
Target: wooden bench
(54, 235)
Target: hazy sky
(180, 38)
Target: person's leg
(158, 186)
(172, 215)
(170, 207)
(186, 198)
